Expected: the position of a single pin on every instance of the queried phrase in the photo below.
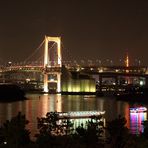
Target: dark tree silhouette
(145, 133)
(91, 134)
(13, 133)
(118, 132)
(52, 130)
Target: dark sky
(90, 29)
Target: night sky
(90, 29)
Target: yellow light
(45, 88)
(79, 86)
(59, 104)
(58, 82)
(127, 60)
(69, 86)
(45, 83)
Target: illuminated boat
(80, 114)
(138, 109)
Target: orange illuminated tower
(127, 60)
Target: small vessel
(138, 109)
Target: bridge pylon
(52, 69)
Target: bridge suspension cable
(67, 57)
(35, 51)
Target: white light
(101, 70)
(5, 142)
(45, 89)
(141, 83)
(52, 79)
(58, 83)
(45, 83)
(27, 80)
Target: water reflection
(38, 105)
(137, 116)
(58, 103)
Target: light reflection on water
(38, 105)
(136, 120)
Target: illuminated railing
(119, 70)
(23, 68)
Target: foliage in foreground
(118, 132)
(13, 133)
(55, 133)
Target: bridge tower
(127, 60)
(52, 68)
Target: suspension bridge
(46, 70)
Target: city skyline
(89, 30)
